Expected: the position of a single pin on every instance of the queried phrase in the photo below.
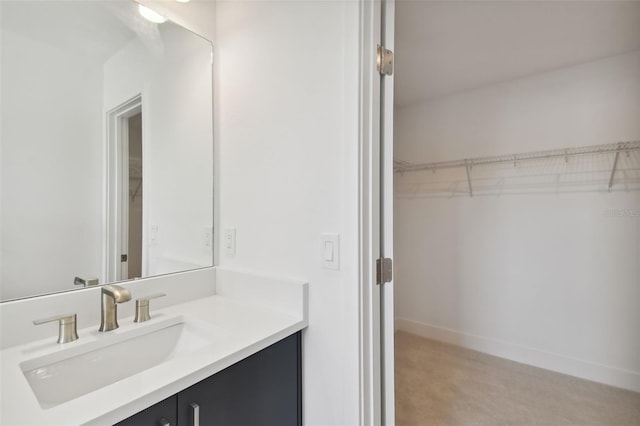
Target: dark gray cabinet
(263, 389)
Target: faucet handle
(67, 326)
(142, 307)
(86, 281)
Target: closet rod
(401, 166)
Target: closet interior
(517, 212)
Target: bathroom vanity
(263, 389)
(220, 346)
(223, 346)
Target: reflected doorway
(125, 256)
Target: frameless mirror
(106, 146)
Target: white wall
(173, 72)
(548, 279)
(287, 124)
(51, 167)
(286, 143)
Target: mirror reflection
(106, 146)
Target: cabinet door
(264, 389)
(161, 414)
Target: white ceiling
(445, 47)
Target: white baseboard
(551, 361)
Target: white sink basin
(82, 368)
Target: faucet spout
(119, 294)
(111, 296)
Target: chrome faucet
(111, 296)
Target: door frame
(387, 316)
(117, 189)
(376, 216)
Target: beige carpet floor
(444, 385)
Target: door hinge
(384, 270)
(384, 62)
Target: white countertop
(249, 327)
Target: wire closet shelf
(615, 149)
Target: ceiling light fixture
(183, 1)
(151, 15)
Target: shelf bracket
(613, 170)
(467, 166)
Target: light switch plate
(330, 251)
(229, 241)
